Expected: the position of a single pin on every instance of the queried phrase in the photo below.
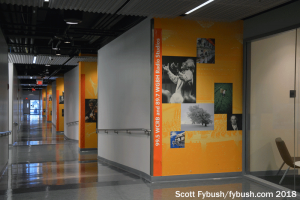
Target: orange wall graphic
(59, 105)
(157, 150)
(210, 151)
(49, 102)
(44, 99)
(88, 91)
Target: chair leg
(280, 168)
(284, 175)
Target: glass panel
(35, 112)
(34, 107)
(271, 108)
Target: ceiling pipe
(31, 43)
(26, 48)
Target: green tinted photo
(223, 98)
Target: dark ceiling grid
(32, 27)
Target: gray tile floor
(43, 165)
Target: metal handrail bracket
(70, 123)
(5, 133)
(129, 131)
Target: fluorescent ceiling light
(209, 1)
(34, 59)
(46, 0)
(72, 22)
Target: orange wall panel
(88, 137)
(218, 150)
(49, 103)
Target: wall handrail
(146, 131)
(5, 133)
(70, 123)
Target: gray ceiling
(219, 10)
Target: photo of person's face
(233, 120)
(91, 105)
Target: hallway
(42, 165)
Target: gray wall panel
(273, 21)
(124, 73)
(71, 109)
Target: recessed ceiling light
(209, 1)
(58, 53)
(30, 77)
(46, 0)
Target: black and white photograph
(234, 122)
(61, 98)
(177, 139)
(178, 79)
(63, 112)
(91, 110)
(206, 50)
(197, 117)
(223, 98)
(50, 97)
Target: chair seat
(297, 163)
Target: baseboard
(196, 177)
(87, 149)
(272, 172)
(3, 170)
(154, 179)
(268, 184)
(67, 138)
(126, 168)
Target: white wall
(271, 108)
(71, 109)
(10, 102)
(124, 97)
(14, 100)
(54, 103)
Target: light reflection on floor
(43, 165)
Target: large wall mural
(198, 74)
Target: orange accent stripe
(157, 149)
(57, 110)
(82, 116)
